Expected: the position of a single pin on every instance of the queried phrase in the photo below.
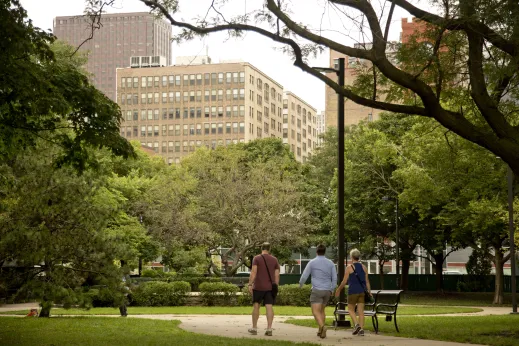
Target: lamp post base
(346, 324)
(514, 313)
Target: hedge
(218, 293)
(158, 293)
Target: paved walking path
(235, 326)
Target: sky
(253, 48)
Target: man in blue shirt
(324, 281)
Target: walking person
(263, 284)
(324, 281)
(356, 277)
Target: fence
(422, 282)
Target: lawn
(241, 310)
(490, 330)
(453, 298)
(110, 331)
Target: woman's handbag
(368, 298)
(274, 286)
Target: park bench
(385, 303)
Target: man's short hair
(321, 250)
(355, 254)
(265, 246)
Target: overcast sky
(259, 51)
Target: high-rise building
(321, 126)
(175, 109)
(353, 112)
(299, 126)
(120, 36)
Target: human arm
(276, 274)
(252, 276)
(306, 274)
(334, 277)
(344, 282)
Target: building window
(143, 82)
(171, 80)
(150, 82)
(192, 79)
(135, 82)
(220, 78)
(213, 128)
(156, 81)
(206, 95)
(242, 77)
(199, 79)
(207, 79)
(213, 78)
(220, 95)
(199, 96)
(227, 127)
(213, 95)
(186, 80)
(206, 112)
(156, 97)
(228, 77)
(177, 80)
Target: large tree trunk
(438, 266)
(45, 308)
(498, 290)
(381, 274)
(404, 282)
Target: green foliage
(293, 295)
(48, 95)
(103, 297)
(245, 298)
(157, 293)
(218, 293)
(189, 261)
(245, 194)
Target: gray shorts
(320, 297)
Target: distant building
(321, 126)
(299, 126)
(121, 36)
(175, 109)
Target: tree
(247, 194)
(459, 190)
(487, 68)
(59, 229)
(45, 94)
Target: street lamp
(340, 168)
(510, 181)
(397, 235)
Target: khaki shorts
(320, 297)
(356, 298)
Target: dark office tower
(121, 36)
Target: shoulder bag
(274, 286)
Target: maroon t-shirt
(262, 281)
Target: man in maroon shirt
(260, 286)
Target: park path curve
(235, 326)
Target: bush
(293, 295)
(195, 280)
(102, 297)
(158, 293)
(245, 299)
(218, 293)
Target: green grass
(453, 298)
(489, 330)
(109, 331)
(240, 310)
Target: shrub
(149, 273)
(158, 293)
(195, 280)
(245, 299)
(101, 297)
(293, 295)
(218, 293)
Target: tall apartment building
(353, 113)
(299, 126)
(175, 109)
(121, 36)
(321, 126)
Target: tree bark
(438, 266)
(381, 274)
(498, 290)
(404, 283)
(45, 308)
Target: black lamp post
(340, 169)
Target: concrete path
(235, 326)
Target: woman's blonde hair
(355, 254)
